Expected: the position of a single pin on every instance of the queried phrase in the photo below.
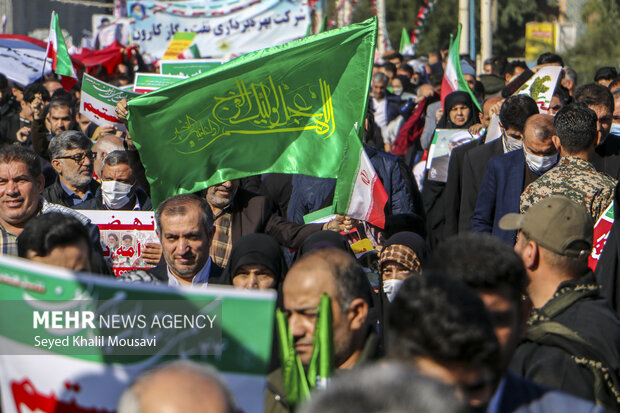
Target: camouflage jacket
(576, 179)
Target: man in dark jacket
(573, 337)
(119, 190)
(72, 160)
(497, 274)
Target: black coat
(607, 157)
(474, 167)
(56, 195)
(591, 317)
(255, 213)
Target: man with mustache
(72, 159)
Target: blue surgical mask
(615, 129)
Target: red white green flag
(57, 51)
(601, 233)
(453, 79)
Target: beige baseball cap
(557, 224)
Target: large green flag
(287, 109)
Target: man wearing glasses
(72, 160)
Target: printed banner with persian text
(123, 235)
(47, 368)
(224, 28)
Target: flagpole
(47, 50)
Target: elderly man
(21, 185)
(509, 174)
(118, 190)
(197, 388)
(185, 229)
(573, 338)
(574, 177)
(72, 160)
(335, 273)
(385, 105)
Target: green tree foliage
(509, 36)
(599, 45)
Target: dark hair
(127, 236)
(177, 205)
(439, 317)
(4, 82)
(614, 85)
(547, 58)
(113, 235)
(562, 93)
(407, 68)
(515, 110)
(31, 90)
(511, 66)
(350, 279)
(575, 125)
(47, 231)
(606, 73)
(481, 262)
(13, 153)
(390, 67)
(499, 65)
(593, 94)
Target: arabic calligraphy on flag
(258, 108)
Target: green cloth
(285, 109)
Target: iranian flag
(601, 233)
(453, 79)
(279, 109)
(57, 51)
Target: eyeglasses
(79, 157)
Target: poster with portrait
(123, 235)
(439, 153)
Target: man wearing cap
(575, 176)
(573, 337)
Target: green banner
(187, 67)
(287, 109)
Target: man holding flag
(275, 110)
(336, 274)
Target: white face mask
(541, 164)
(512, 144)
(390, 287)
(397, 91)
(615, 129)
(115, 194)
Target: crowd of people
(478, 294)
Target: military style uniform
(576, 179)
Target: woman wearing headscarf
(402, 255)
(256, 262)
(402, 87)
(460, 112)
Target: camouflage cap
(557, 224)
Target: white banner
(22, 61)
(224, 29)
